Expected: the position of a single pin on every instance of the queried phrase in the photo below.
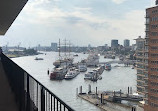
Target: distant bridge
(129, 62)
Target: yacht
(73, 72)
(58, 73)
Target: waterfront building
(151, 100)
(114, 43)
(141, 65)
(126, 43)
(54, 46)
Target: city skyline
(91, 22)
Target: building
(151, 100)
(114, 43)
(54, 46)
(126, 43)
(141, 65)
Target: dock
(111, 101)
(108, 106)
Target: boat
(107, 66)
(100, 69)
(63, 61)
(89, 75)
(92, 60)
(39, 58)
(73, 72)
(82, 67)
(58, 73)
(75, 54)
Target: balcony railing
(29, 93)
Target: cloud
(79, 24)
(119, 1)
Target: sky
(82, 22)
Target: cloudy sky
(82, 22)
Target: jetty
(111, 100)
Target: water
(116, 79)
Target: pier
(111, 100)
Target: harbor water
(118, 78)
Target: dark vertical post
(28, 95)
(80, 89)
(54, 103)
(128, 91)
(57, 105)
(89, 89)
(76, 91)
(96, 90)
(37, 96)
(101, 98)
(51, 103)
(42, 99)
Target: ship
(92, 60)
(58, 73)
(63, 60)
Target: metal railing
(30, 94)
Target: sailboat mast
(69, 49)
(59, 48)
(65, 48)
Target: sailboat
(63, 61)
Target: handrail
(27, 89)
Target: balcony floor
(7, 100)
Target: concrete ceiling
(9, 10)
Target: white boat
(92, 60)
(82, 67)
(72, 73)
(58, 73)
